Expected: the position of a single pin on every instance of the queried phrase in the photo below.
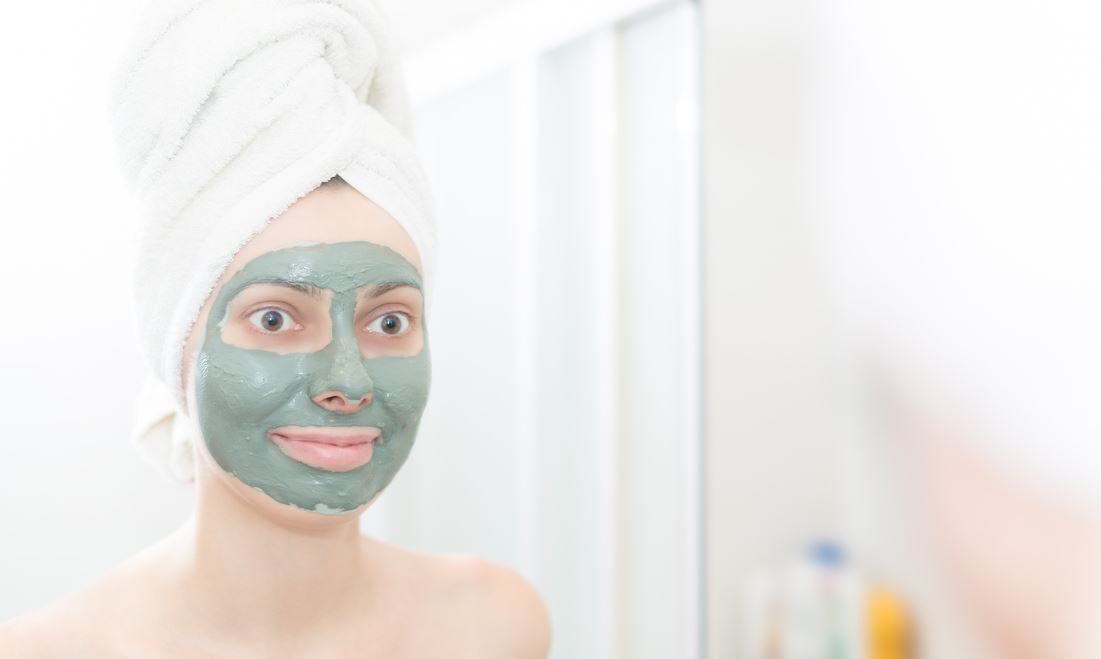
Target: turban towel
(225, 113)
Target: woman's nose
(345, 387)
(336, 401)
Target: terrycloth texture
(226, 112)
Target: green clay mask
(247, 388)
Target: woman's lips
(331, 449)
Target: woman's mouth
(331, 449)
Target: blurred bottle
(889, 635)
(823, 596)
(819, 607)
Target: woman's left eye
(392, 324)
(272, 321)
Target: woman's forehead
(333, 213)
(344, 267)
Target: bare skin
(1024, 561)
(248, 577)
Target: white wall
(420, 23)
(792, 451)
(75, 497)
(772, 418)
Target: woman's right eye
(272, 321)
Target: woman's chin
(320, 517)
(288, 514)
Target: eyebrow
(385, 287)
(308, 289)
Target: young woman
(305, 376)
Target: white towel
(226, 112)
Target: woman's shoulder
(89, 622)
(53, 631)
(493, 601)
(22, 637)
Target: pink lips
(331, 449)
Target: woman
(283, 309)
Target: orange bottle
(889, 631)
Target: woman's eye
(392, 324)
(272, 321)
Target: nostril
(335, 402)
(338, 402)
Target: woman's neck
(266, 569)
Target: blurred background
(799, 343)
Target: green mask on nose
(242, 393)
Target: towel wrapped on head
(226, 112)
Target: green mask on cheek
(241, 393)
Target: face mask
(243, 393)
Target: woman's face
(308, 369)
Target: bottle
(889, 631)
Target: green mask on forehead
(242, 393)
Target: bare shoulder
(95, 621)
(500, 602)
(23, 637)
(506, 602)
(502, 607)
(45, 633)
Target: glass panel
(661, 324)
(570, 404)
